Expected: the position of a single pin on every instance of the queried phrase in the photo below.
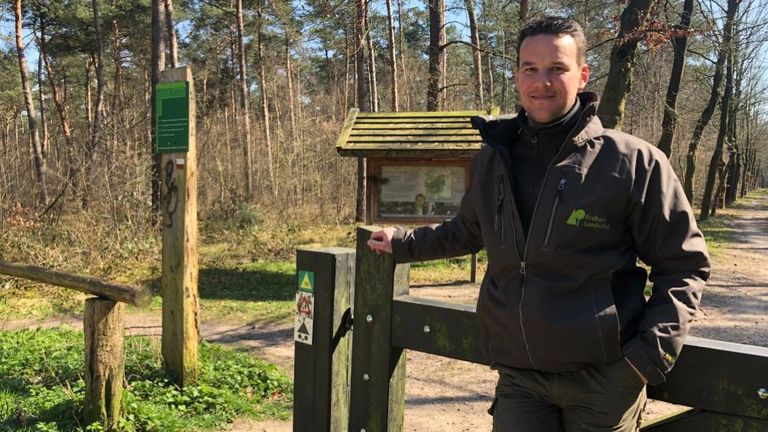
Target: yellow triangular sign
(306, 284)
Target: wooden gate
(363, 389)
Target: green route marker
(306, 281)
(172, 117)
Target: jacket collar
(499, 131)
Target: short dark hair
(557, 26)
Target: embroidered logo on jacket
(581, 218)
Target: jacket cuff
(399, 251)
(634, 350)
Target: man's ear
(583, 76)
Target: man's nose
(544, 79)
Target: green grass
(42, 387)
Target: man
(564, 208)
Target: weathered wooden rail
(362, 389)
(104, 337)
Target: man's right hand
(381, 241)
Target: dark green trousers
(597, 398)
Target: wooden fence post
(104, 361)
(325, 279)
(377, 393)
(181, 331)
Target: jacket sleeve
(666, 238)
(455, 237)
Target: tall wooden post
(377, 390)
(176, 142)
(326, 280)
(104, 361)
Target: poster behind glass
(421, 192)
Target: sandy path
(444, 395)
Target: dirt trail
(444, 395)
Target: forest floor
(444, 395)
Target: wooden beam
(706, 421)
(718, 376)
(136, 296)
(180, 256)
(401, 131)
(421, 114)
(348, 124)
(436, 327)
(710, 375)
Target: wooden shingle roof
(410, 134)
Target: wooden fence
(357, 384)
(104, 337)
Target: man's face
(549, 75)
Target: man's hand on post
(381, 241)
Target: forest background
(275, 79)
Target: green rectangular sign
(172, 120)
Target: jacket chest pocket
(581, 212)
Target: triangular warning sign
(305, 283)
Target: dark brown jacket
(571, 294)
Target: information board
(172, 119)
(420, 192)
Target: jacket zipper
(558, 198)
(499, 223)
(525, 248)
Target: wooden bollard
(104, 361)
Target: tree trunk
(717, 156)
(265, 101)
(37, 153)
(117, 96)
(361, 78)
(709, 110)
(158, 65)
(619, 81)
(436, 53)
(394, 103)
(95, 140)
(679, 45)
(401, 43)
(289, 84)
(476, 59)
(504, 79)
(374, 90)
(734, 146)
(362, 103)
(41, 94)
(170, 29)
(248, 162)
(61, 108)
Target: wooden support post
(104, 361)
(377, 394)
(180, 272)
(326, 281)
